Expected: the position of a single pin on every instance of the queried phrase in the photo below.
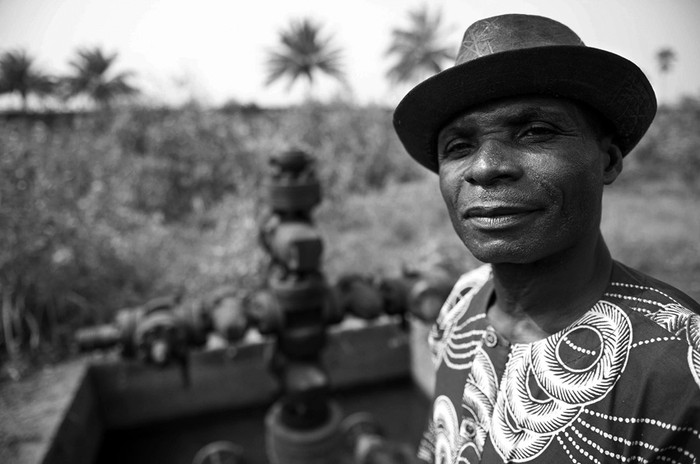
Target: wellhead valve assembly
(303, 425)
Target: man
(553, 352)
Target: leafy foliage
(303, 53)
(105, 212)
(91, 76)
(102, 213)
(419, 47)
(665, 57)
(60, 262)
(18, 74)
(356, 148)
(670, 151)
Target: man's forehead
(519, 109)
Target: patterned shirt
(621, 384)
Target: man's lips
(498, 210)
(499, 216)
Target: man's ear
(612, 158)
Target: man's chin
(500, 254)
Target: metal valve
(294, 187)
(296, 310)
(160, 338)
(294, 243)
(149, 332)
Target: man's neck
(535, 300)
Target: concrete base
(51, 416)
(59, 415)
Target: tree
(18, 75)
(91, 77)
(303, 52)
(419, 47)
(665, 58)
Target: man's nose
(494, 161)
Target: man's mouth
(498, 216)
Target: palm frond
(92, 76)
(303, 53)
(18, 75)
(419, 47)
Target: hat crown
(513, 55)
(512, 32)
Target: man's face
(522, 178)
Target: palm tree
(18, 74)
(419, 47)
(304, 53)
(91, 70)
(665, 57)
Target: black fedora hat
(512, 55)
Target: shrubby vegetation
(107, 210)
(670, 151)
(104, 211)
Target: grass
(405, 225)
(653, 227)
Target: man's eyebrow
(511, 117)
(534, 113)
(455, 129)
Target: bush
(104, 212)
(357, 148)
(670, 151)
(61, 212)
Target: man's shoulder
(645, 293)
(665, 321)
(456, 308)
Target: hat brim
(611, 84)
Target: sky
(215, 50)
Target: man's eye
(457, 146)
(537, 131)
